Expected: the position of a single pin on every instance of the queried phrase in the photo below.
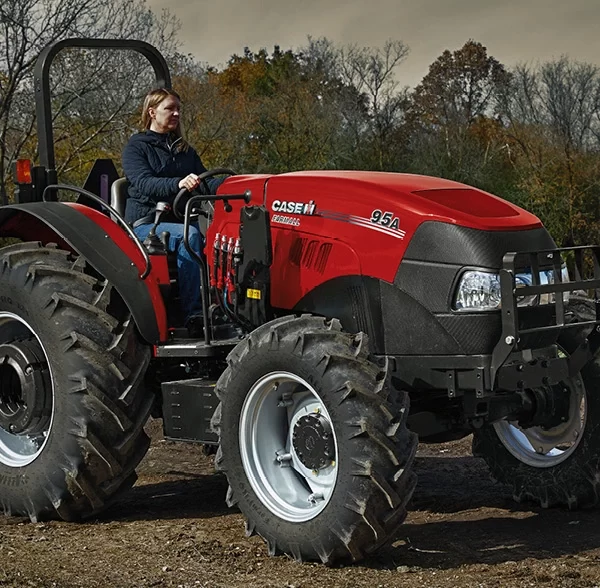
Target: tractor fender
(104, 245)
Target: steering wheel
(184, 194)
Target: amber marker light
(23, 171)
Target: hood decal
(362, 221)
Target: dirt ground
(174, 529)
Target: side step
(194, 348)
(188, 406)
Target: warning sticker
(254, 294)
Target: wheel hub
(313, 441)
(550, 406)
(25, 388)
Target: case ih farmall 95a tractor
(346, 315)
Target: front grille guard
(512, 263)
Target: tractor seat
(118, 195)
(118, 199)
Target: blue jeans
(187, 268)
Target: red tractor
(346, 315)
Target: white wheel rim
(545, 448)
(270, 414)
(19, 450)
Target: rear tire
(316, 457)
(72, 408)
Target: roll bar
(41, 75)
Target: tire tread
(110, 406)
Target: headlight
(479, 290)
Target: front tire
(556, 466)
(72, 408)
(316, 457)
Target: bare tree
(322, 59)
(372, 73)
(551, 113)
(370, 99)
(26, 26)
(563, 96)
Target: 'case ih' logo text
(306, 208)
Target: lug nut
(314, 497)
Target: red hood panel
(422, 197)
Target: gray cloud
(512, 30)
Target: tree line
(530, 133)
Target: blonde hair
(152, 100)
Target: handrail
(200, 260)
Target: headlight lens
(480, 291)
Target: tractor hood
(327, 224)
(412, 199)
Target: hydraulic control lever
(152, 242)
(162, 208)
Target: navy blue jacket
(154, 168)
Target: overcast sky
(512, 30)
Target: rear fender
(106, 247)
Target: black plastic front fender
(31, 222)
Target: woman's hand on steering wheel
(190, 182)
(189, 187)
